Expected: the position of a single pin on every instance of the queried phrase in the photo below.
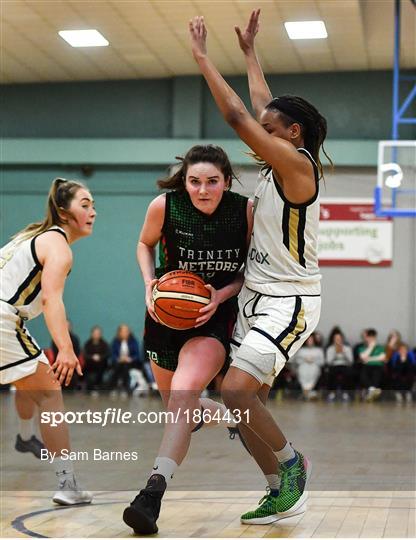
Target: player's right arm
(260, 94)
(55, 256)
(149, 237)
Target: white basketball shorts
(270, 330)
(19, 352)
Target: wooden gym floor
(363, 484)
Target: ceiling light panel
(84, 38)
(306, 30)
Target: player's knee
(249, 363)
(183, 399)
(238, 399)
(46, 395)
(229, 397)
(229, 390)
(187, 382)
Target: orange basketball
(177, 298)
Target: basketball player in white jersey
(280, 300)
(33, 269)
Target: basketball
(177, 298)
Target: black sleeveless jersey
(212, 246)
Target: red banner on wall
(350, 234)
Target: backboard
(395, 193)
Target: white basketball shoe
(69, 494)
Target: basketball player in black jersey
(280, 299)
(200, 226)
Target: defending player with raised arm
(260, 94)
(203, 223)
(279, 304)
(33, 270)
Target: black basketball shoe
(143, 512)
(33, 445)
(233, 432)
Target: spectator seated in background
(335, 330)
(373, 357)
(319, 339)
(308, 363)
(402, 371)
(96, 354)
(339, 360)
(125, 355)
(74, 384)
(394, 341)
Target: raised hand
(198, 33)
(246, 38)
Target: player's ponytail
(294, 109)
(59, 200)
(209, 153)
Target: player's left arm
(260, 94)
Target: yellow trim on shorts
(299, 328)
(24, 340)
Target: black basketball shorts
(162, 344)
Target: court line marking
(18, 522)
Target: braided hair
(294, 109)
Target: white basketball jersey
(282, 258)
(20, 274)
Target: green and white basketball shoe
(293, 496)
(265, 513)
